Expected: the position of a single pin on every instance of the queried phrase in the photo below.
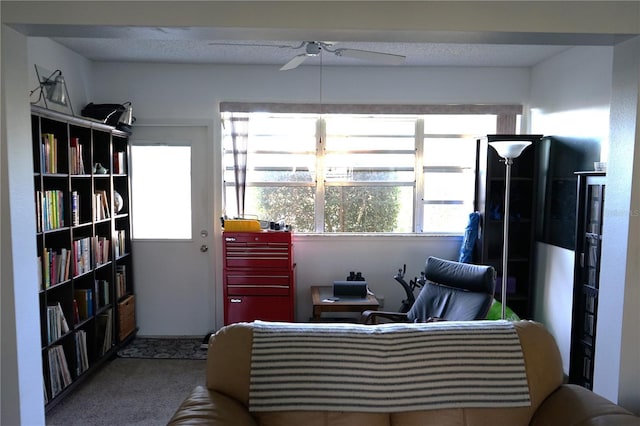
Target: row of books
(81, 256)
(76, 163)
(101, 247)
(100, 205)
(57, 325)
(59, 375)
(120, 246)
(82, 360)
(54, 267)
(103, 293)
(121, 281)
(83, 303)
(49, 153)
(119, 163)
(49, 210)
(105, 331)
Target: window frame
(507, 118)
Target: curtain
(240, 139)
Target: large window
(355, 172)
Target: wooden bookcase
(83, 245)
(586, 285)
(489, 201)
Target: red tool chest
(259, 281)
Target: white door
(172, 254)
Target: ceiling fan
(315, 48)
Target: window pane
(294, 205)
(446, 217)
(445, 186)
(368, 209)
(161, 201)
(459, 152)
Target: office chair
(453, 291)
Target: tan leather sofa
(225, 399)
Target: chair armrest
(371, 317)
(575, 405)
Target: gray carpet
(130, 391)
(164, 348)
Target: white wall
(570, 95)
(617, 357)
(21, 357)
(76, 70)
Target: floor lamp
(507, 150)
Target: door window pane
(161, 188)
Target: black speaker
(352, 289)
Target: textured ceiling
(204, 52)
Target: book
(104, 333)
(84, 300)
(75, 208)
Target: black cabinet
(586, 286)
(489, 201)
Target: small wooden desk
(321, 293)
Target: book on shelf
(57, 325)
(84, 301)
(119, 166)
(104, 333)
(49, 210)
(101, 247)
(59, 374)
(82, 360)
(102, 292)
(55, 266)
(75, 208)
(100, 205)
(121, 281)
(81, 256)
(76, 162)
(50, 153)
(120, 242)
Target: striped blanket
(386, 368)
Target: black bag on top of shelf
(106, 113)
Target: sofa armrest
(206, 407)
(577, 406)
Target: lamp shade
(57, 93)
(509, 149)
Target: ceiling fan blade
(367, 55)
(251, 44)
(295, 62)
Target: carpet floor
(130, 392)
(163, 348)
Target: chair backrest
(454, 291)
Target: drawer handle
(236, 300)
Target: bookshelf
(489, 196)
(586, 285)
(82, 207)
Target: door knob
(204, 248)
